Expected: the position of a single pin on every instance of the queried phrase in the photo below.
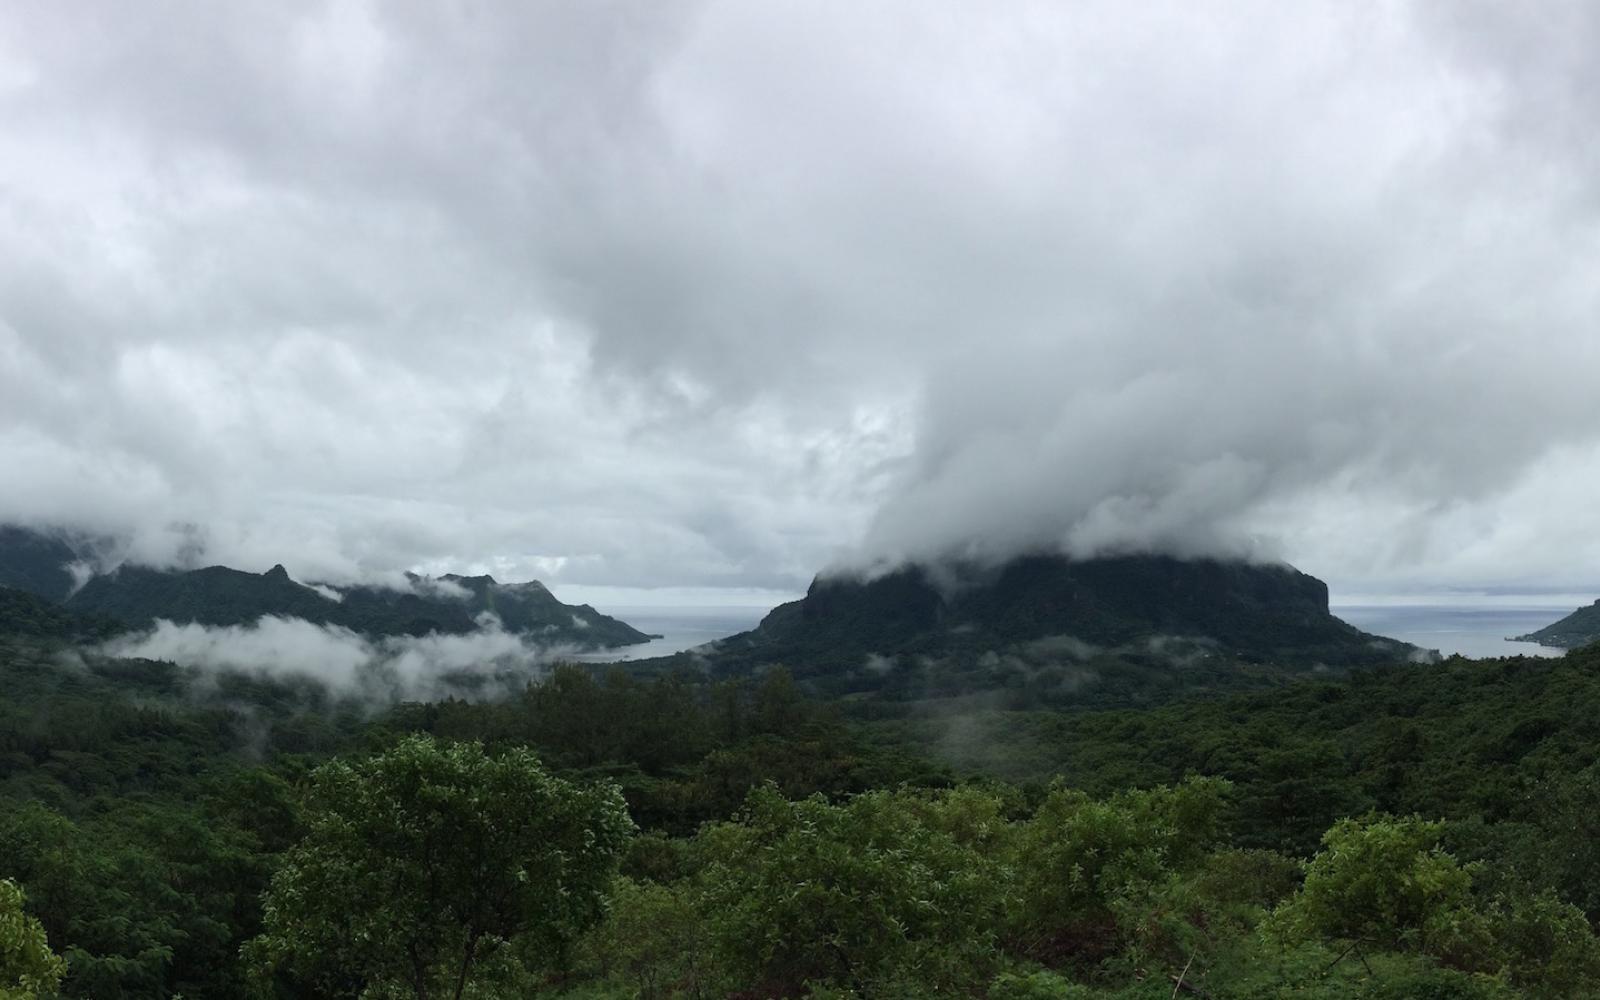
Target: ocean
(1469, 630)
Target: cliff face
(1249, 612)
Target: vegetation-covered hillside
(218, 595)
(1416, 831)
(1235, 610)
(26, 614)
(1580, 628)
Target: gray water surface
(680, 628)
(1470, 631)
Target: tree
(422, 862)
(27, 965)
(1545, 944)
(1087, 869)
(1383, 882)
(653, 939)
(869, 895)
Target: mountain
(36, 563)
(1246, 611)
(526, 608)
(1577, 629)
(1052, 620)
(530, 607)
(218, 595)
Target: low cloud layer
(389, 668)
(712, 295)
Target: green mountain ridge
(34, 563)
(217, 595)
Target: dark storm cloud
(715, 294)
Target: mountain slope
(215, 595)
(530, 607)
(1580, 628)
(218, 595)
(454, 604)
(26, 614)
(1251, 612)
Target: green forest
(1416, 831)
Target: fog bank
(388, 668)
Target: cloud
(707, 295)
(428, 586)
(325, 591)
(390, 668)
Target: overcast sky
(627, 296)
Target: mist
(381, 670)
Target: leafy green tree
(1566, 848)
(1036, 984)
(653, 939)
(27, 965)
(1545, 945)
(104, 898)
(422, 862)
(1382, 882)
(1089, 870)
(859, 896)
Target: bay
(680, 628)
(1473, 631)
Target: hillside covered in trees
(1580, 628)
(1412, 830)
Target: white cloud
(325, 591)
(394, 667)
(708, 296)
(429, 586)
